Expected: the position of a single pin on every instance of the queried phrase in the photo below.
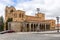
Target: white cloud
(49, 7)
(7, 2)
(29, 6)
(3, 4)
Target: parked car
(7, 31)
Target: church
(24, 23)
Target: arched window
(21, 15)
(11, 10)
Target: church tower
(40, 15)
(9, 12)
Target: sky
(51, 8)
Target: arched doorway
(27, 27)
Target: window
(21, 15)
(15, 15)
(11, 11)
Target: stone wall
(16, 26)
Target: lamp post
(57, 24)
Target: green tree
(1, 23)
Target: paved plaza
(29, 36)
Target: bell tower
(9, 12)
(40, 15)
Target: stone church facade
(24, 23)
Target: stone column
(45, 27)
(30, 27)
(38, 27)
(26, 27)
(41, 27)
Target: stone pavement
(31, 36)
(16, 36)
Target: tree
(1, 23)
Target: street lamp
(57, 24)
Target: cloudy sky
(51, 8)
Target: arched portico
(35, 27)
